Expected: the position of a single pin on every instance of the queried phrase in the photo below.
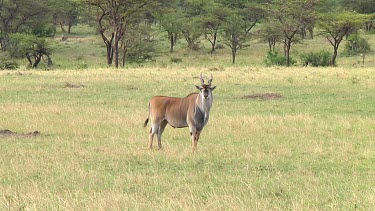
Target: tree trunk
(62, 28)
(109, 54)
(287, 52)
(124, 57)
(233, 55)
(37, 60)
(213, 43)
(363, 58)
(115, 51)
(4, 43)
(270, 43)
(70, 28)
(285, 48)
(334, 55)
(172, 41)
(311, 32)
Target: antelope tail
(146, 121)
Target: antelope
(192, 111)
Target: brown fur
(191, 111)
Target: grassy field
(310, 148)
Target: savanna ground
(311, 148)
(278, 138)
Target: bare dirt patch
(72, 85)
(7, 133)
(264, 96)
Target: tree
(357, 45)
(65, 13)
(291, 17)
(113, 17)
(192, 11)
(237, 26)
(271, 34)
(20, 16)
(34, 48)
(170, 22)
(335, 26)
(362, 6)
(169, 16)
(191, 31)
(137, 44)
(211, 21)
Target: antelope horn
(209, 81)
(202, 81)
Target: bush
(48, 30)
(8, 65)
(356, 45)
(141, 52)
(317, 59)
(274, 58)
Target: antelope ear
(198, 87)
(212, 88)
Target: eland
(192, 111)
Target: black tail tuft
(145, 124)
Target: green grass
(312, 149)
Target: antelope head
(206, 89)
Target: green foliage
(7, 63)
(360, 6)
(356, 45)
(44, 30)
(273, 58)
(335, 25)
(141, 52)
(29, 46)
(20, 44)
(317, 59)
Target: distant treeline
(128, 27)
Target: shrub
(274, 58)
(317, 59)
(8, 65)
(141, 52)
(46, 30)
(356, 45)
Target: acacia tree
(66, 14)
(170, 22)
(169, 16)
(335, 26)
(211, 21)
(35, 49)
(292, 15)
(19, 16)
(192, 11)
(191, 31)
(237, 26)
(271, 34)
(113, 17)
(364, 7)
